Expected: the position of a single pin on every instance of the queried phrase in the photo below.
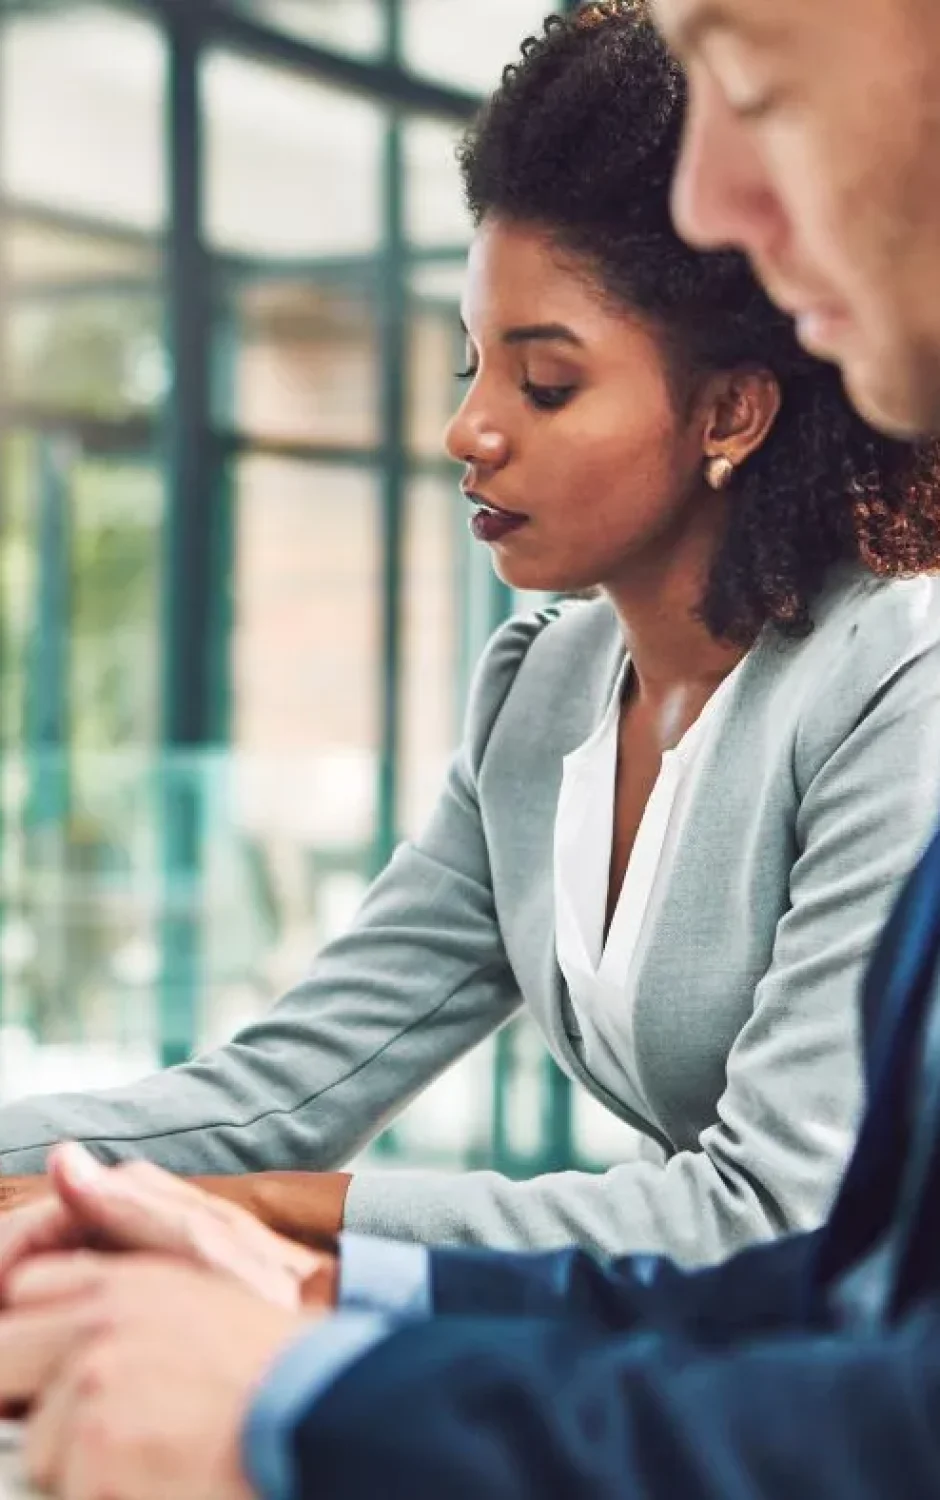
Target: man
(813, 143)
(808, 1368)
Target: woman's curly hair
(581, 139)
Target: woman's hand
(140, 1207)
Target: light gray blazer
(814, 799)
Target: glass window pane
(298, 362)
(112, 854)
(17, 584)
(38, 254)
(18, 572)
(600, 1139)
(79, 828)
(292, 823)
(85, 324)
(430, 707)
(440, 282)
(449, 1124)
(467, 43)
(436, 353)
(307, 657)
(355, 26)
(95, 352)
(117, 518)
(435, 214)
(82, 112)
(294, 167)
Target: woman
(681, 811)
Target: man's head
(813, 143)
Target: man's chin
(901, 403)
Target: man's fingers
(43, 1227)
(82, 1183)
(80, 1180)
(126, 1208)
(48, 1439)
(34, 1343)
(57, 1278)
(45, 1437)
(94, 1205)
(140, 1207)
(135, 1206)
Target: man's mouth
(819, 330)
(818, 323)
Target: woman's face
(569, 430)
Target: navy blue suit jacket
(556, 1376)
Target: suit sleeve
(533, 1410)
(421, 978)
(760, 1291)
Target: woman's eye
(548, 397)
(468, 374)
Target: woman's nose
(474, 438)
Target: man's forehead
(685, 23)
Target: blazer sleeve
(867, 775)
(418, 981)
(526, 1409)
(766, 1289)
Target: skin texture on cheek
(889, 228)
(604, 484)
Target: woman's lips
(493, 525)
(490, 523)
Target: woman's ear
(741, 411)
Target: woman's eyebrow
(528, 333)
(542, 333)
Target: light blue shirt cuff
(303, 1373)
(384, 1276)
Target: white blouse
(601, 977)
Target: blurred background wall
(238, 602)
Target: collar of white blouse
(584, 837)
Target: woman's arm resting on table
(304, 1206)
